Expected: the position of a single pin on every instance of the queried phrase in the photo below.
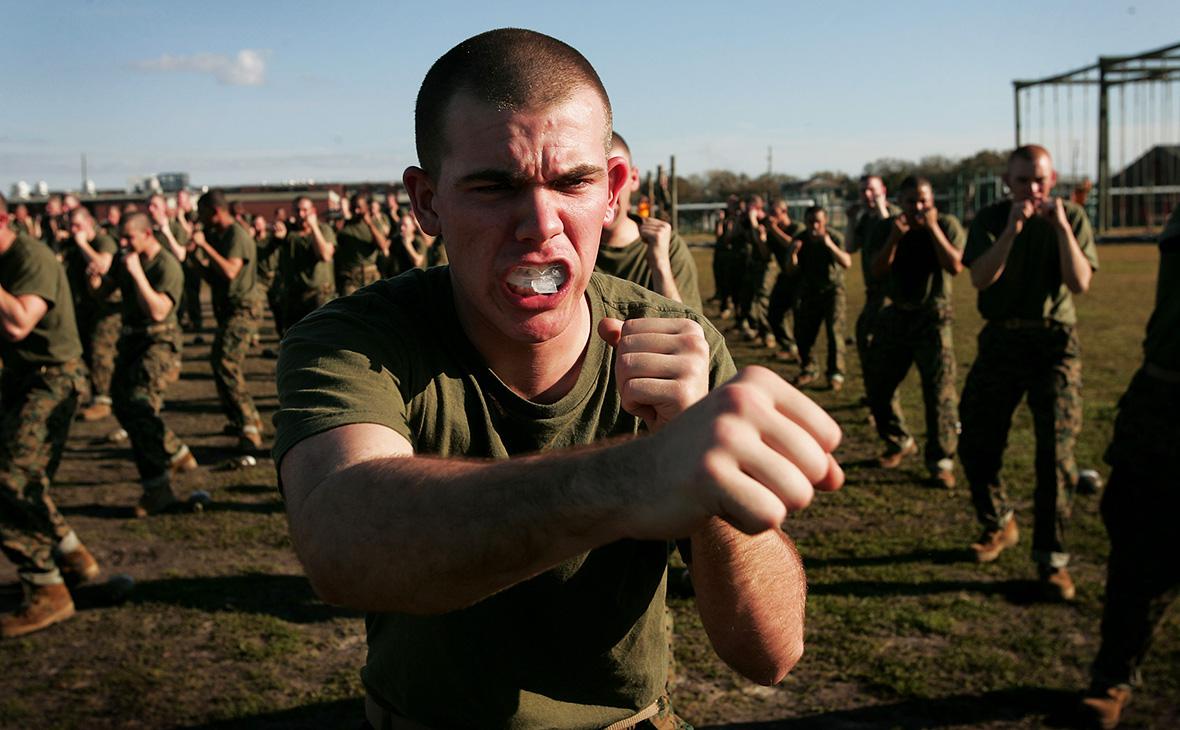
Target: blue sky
(326, 90)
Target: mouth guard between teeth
(542, 281)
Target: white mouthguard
(541, 280)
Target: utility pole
(83, 188)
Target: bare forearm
(949, 257)
(379, 237)
(842, 257)
(228, 268)
(663, 281)
(751, 593)
(422, 535)
(1075, 269)
(16, 319)
(986, 269)
(151, 302)
(323, 249)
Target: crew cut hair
(509, 69)
(214, 200)
(1029, 153)
(913, 182)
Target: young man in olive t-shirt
(91, 252)
(781, 233)
(232, 277)
(1027, 255)
(152, 282)
(1141, 500)
(820, 258)
(40, 385)
(358, 246)
(645, 250)
(457, 447)
(914, 255)
(305, 264)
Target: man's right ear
(420, 188)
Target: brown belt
(382, 719)
(1162, 374)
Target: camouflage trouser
(1043, 361)
(297, 305)
(921, 337)
(874, 301)
(190, 302)
(755, 306)
(721, 258)
(100, 328)
(818, 308)
(235, 331)
(784, 299)
(349, 280)
(39, 406)
(1139, 507)
(739, 258)
(146, 367)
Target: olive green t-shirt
(300, 265)
(782, 250)
(1162, 346)
(916, 277)
(165, 275)
(268, 250)
(581, 645)
(860, 237)
(355, 246)
(819, 270)
(630, 262)
(177, 231)
(76, 264)
(29, 267)
(1030, 287)
(234, 242)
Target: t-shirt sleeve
(35, 275)
(334, 370)
(238, 246)
(105, 244)
(171, 281)
(953, 230)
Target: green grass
(902, 630)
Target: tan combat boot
(1105, 708)
(893, 455)
(183, 461)
(1057, 584)
(78, 565)
(43, 606)
(96, 411)
(993, 542)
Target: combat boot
(157, 500)
(836, 382)
(1056, 584)
(96, 411)
(183, 461)
(894, 454)
(803, 379)
(1104, 708)
(43, 606)
(993, 542)
(77, 565)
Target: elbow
(770, 666)
(955, 267)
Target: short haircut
(1029, 153)
(153, 196)
(509, 69)
(137, 221)
(913, 182)
(813, 211)
(299, 199)
(618, 143)
(214, 200)
(866, 179)
(357, 197)
(81, 212)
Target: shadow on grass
(1016, 592)
(934, 557)
(1006, 705)
(343, 714)
(287, 597)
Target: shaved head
(508, 69)
(1029, 153)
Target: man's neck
(622, 235)
(542, 372)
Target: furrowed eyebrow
(503, 177)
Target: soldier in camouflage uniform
(305, 263)
(191, 316)
(1027, 255)
(358, 246)
(1142, 500)
(914, 255)
(819, 256)
(781, 232)
(232, 274)
(874, 208)
(152, 282)
(99, 321)
(43, 378)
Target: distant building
(1144, 193)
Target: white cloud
(246, 68)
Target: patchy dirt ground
(222, 631)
